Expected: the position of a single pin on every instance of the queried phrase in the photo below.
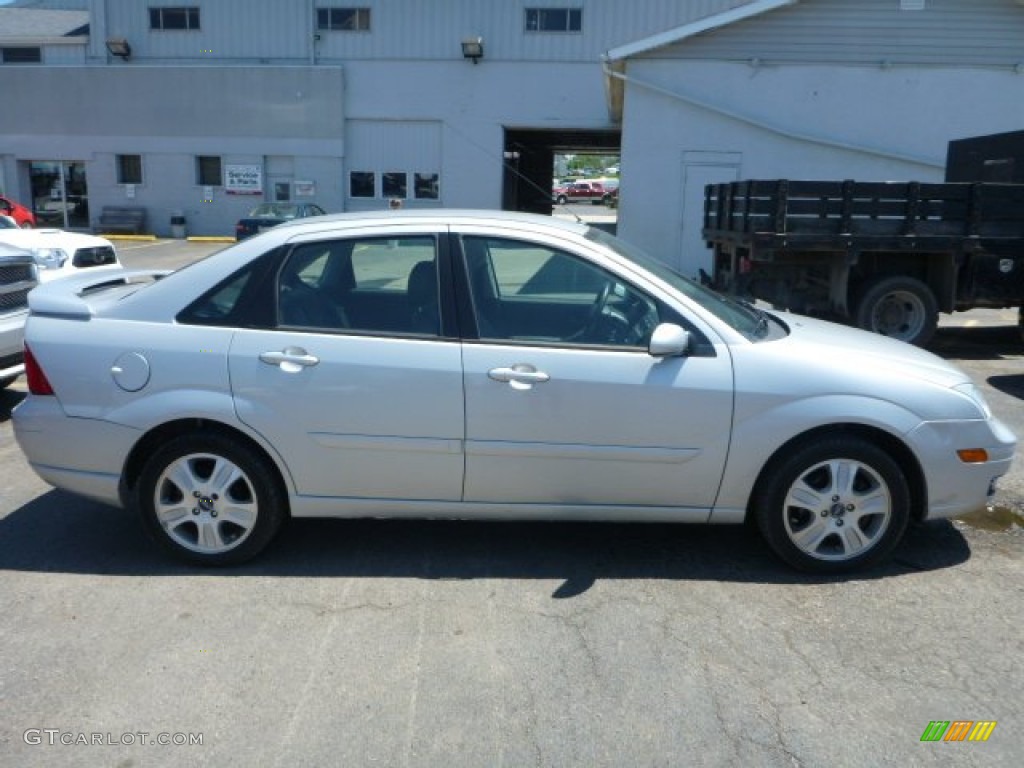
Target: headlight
(975, 395)
(50, 258)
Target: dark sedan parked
(267, 215)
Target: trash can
(178, 225)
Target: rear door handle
(519, 376)
(290, 360)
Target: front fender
(758, 435)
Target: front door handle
(290, 359)
(519, 376)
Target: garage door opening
(535, 159)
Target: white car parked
(59, 253)
(475, 364)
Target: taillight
(38, 384)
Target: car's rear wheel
(26, 225)
(210, 499)
(833, 505)
(562, 200)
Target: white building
(815, 89)
(205, 108)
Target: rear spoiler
(66, 297)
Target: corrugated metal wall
(279, 31)
(944, 32)
(64, 55)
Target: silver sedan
(474, 364)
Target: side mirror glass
(669, 340)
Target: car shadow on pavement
(1012, 385)
(990, 342)
(9, 398)
(61, 533)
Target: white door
(699, 170)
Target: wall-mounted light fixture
(473, 48)
(119, 47)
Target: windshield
(742, 317)
(274, 211)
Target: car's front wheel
(210, 499)
(832, 505)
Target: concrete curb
(210, 239)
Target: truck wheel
(562, 199)
(900, 307)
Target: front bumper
(954, 487)
(12, 345)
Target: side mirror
(669, 340)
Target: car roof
(442, 216)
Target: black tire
(562, 199)
(900, 307)
(833, 505)
(188, 510)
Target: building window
(343, 19)
(208, 172)
(21, 55)
(554, 19)
(177, 17)
(129, 169)
(427, 186)
(362, 184)
(394, 185)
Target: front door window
(529, 293)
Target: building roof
(715, 21)
(31, 26)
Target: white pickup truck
(32, 256)
(17, 278)
(58, 253)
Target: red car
(22, 216)
(593, 191)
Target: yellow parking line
(115, 236)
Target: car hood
(50, 238)
(855, 352)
